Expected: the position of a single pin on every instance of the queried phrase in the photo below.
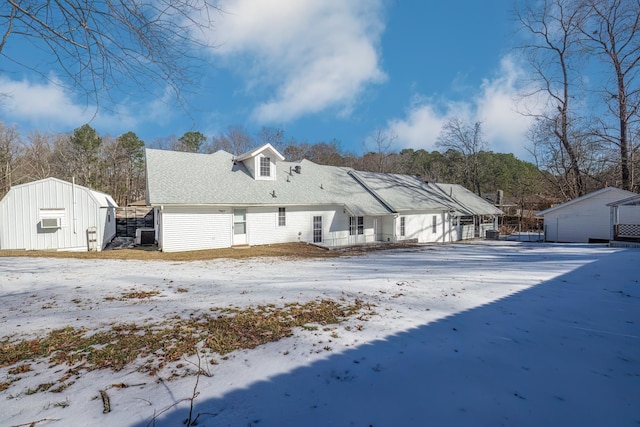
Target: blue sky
(320, 70)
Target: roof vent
(273, 193)
(298, 169)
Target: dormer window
(265, 166)
(261, 162)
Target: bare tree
(273, 136)
(553, 53)
(378, 147)
(37, 160)
(10, 146)
(234, 140)
(612, 33)
(466, 139)
(96, 45)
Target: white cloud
(306, 56)
(47, 106)
(496, 105)
(499, 108)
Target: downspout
(160, 228)
(73, 204)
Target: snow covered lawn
(494, 334)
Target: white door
(239, 226)
(317, 229)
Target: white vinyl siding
(582, 220)
(194, 228)
(263, 228)
(424, 227)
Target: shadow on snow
(564, 352)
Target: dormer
(261, 162)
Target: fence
(132, 217)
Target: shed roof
(629, 201)
(101, 199)
(622, 194)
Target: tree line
(115, 165)
(583, 54)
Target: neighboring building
(51, 214)
(205, 201)
(583, 219)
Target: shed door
(239, 226)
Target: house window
(265, 166)
(356, 225)
(282, 217)
(434, 223)
(402, 226)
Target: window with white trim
(265, 166)
(356, 225)
(402, 226)
(282, 217)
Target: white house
(583, 219)
(206, 201)
(51, 214)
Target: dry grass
(288, 250)
(283, 250)
(154, 345)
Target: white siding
(194, 228)
(20, 216)
(263, 229)
(583, 220)
(419, 225)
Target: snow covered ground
(501, 333)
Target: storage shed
(52, 214)
(584, 219)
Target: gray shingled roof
(177, 178)
(409, 193)
(468, 202)
(405, 192)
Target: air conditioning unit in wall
(50, 223)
